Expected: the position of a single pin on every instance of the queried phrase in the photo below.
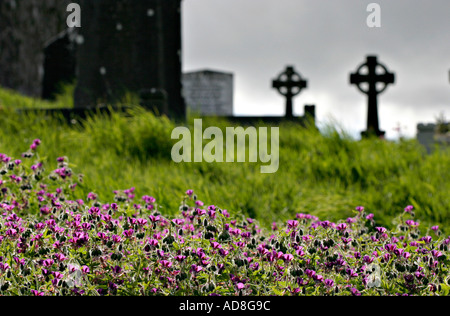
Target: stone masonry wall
(25, 26)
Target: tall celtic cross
(289, 83)
(368, 82)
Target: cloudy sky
(325, 41)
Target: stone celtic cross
(289, 83)
(367, 84)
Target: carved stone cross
(289, 83)
(370, 79)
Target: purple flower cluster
(54, 244)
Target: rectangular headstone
(209, 92)
(429, 135)
(130, 46)
(425, 135)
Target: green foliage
(10, 99)
(326, 174)
(67, 247)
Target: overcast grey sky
(325, 41)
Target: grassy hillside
(325, 174)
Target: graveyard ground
(326, 174)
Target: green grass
(10, 99)
(326, 174)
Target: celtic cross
(371, 78)
(289, 83)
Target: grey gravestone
(425, 135)
(130, 46)
(429, 136)
(59, 63)
(209, 92)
